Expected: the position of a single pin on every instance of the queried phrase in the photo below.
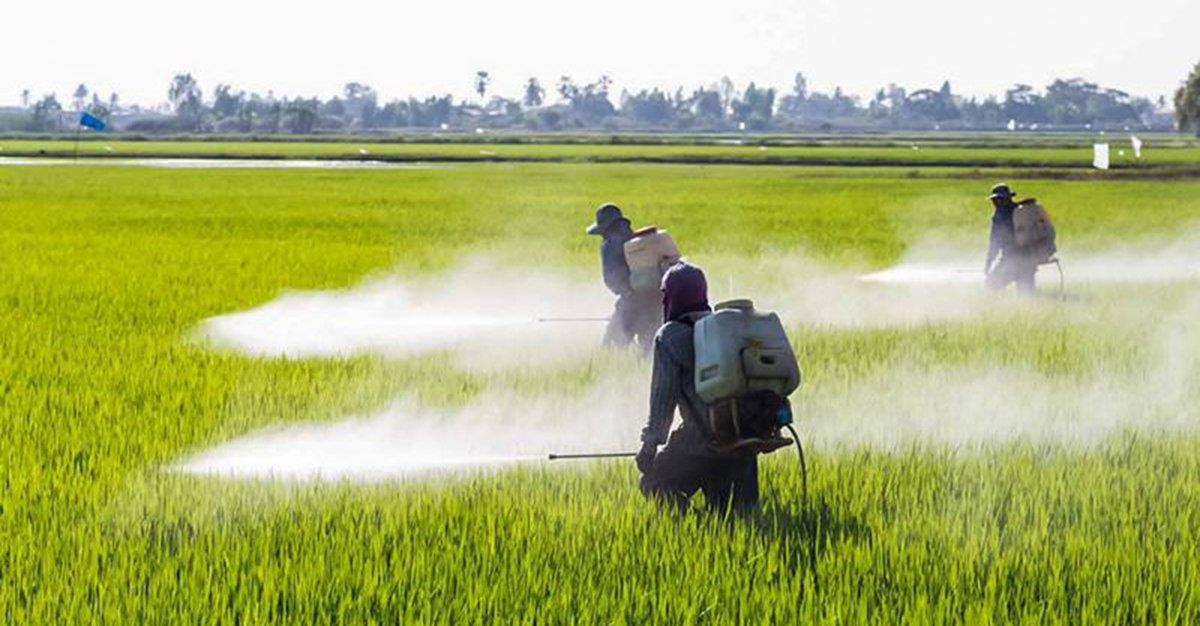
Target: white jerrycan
(741, 350)
(649, 254)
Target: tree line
(568, 104)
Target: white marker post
(1100, 156)
(1137, 146)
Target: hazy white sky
(405, 48)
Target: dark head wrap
(685, 290)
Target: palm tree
(81, 94)
(482, 79)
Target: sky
(299, 48)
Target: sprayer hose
(813, 532)
(803, 466)
(1062, 280)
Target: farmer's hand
(645, 457)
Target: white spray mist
(487, 319)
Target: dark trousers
(726, 482)
(636, 316)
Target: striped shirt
(673, 385)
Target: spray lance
(592, 455)
(783, 419)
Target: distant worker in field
(1022, 238)
(632, 269)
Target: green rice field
(915, 150)
(1004, 461)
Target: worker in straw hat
(636, 315)
(1015, 265)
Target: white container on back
(649, 254)
(739, 349)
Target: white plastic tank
(739, 349)
(649, 254)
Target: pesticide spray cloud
(813, 295)
(487, 319)
(498, 429)
(962, 407)
(490, 318)
(983, 404)
(934, 263)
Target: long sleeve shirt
(1003, 237)
(613, 266)
(673, 385)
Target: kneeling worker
(688, 463)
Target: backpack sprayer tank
(745, 370)
(1035, 237)
(740, 349)
(1034, 231)
(649, 253)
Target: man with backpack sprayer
(729, 374)
(631, 265)
(1022, 237)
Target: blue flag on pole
(91, 121)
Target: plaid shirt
(673, 385)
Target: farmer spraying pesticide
(632, 264)
(1022, 237)
(729, 374)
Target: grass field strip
(911, 152)
(202, 163)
